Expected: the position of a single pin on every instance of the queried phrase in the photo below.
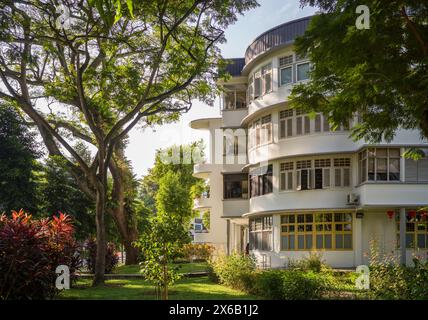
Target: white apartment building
(300, 186)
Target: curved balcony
(202, 170)
(202, 203)
(277, 37)
(305, 145)
(234, 208)
(301, 200)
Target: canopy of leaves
(18, 163)
(181, 164)
(380, 73)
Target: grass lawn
(191, 289)
(183, 268)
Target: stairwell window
(261, 233)
(286, 69)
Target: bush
(390, 280)
(112, 258)
(197, 251)
(30, 251)
(313, 262)
(291, 284)
(234, 270)
(299, 285)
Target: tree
(18, 163)
(168, 232)
(77, 75)
(179, 163)
(380, 73)
(59, 192)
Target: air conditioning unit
(352, 198)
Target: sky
(144, 143)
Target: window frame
(318, 220)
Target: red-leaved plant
(30, 251)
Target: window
(261, 181)
(257, 85)
(342, 172)
(286, 69)
(267, 78)
(303, 174)
(302, 71)
(417, 171)
(250, 89)
(286, 175)
(261, 131)
(308, 231)
(322, 173)
(235, 186)
(317, 123)
(379, 164)
(416, 230)
(303, 123)
(261, 233)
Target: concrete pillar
(276, 233)
(358, 238)
(403, 236)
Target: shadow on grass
(185, 289)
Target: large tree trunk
(100, 262)
(125, 221)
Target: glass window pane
(339, 241)
(301, 242)
(286, 75)
(284, 242)
(347, 241)
(303, 71)
(348, 227)
(319, 241)
(409, 240)
(291, 240)
(421, 241)
(327, 239)
(308, 241)
(309, 218)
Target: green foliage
(111, 258)
(198, 251)
(18, 166)
(58, 191)
(160, 246)
(313, 262)
(178, 156)
(173, 198)
(206, 219)
(391, 281)
(379, 73)
(234, 270)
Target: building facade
(284, 183)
